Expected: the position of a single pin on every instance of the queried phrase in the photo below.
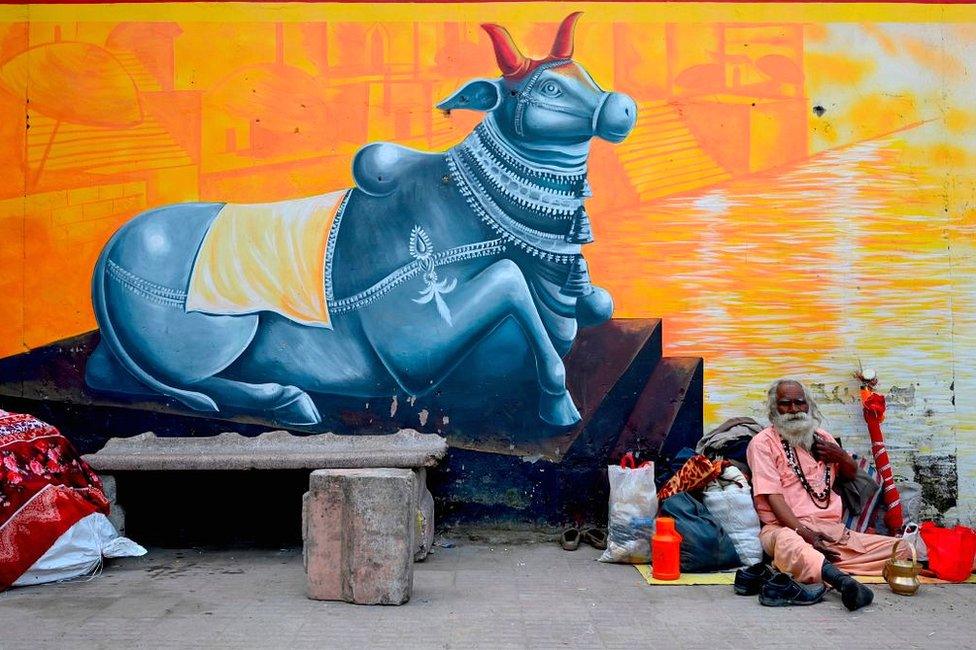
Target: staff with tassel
(874, 412)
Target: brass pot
(902, 575)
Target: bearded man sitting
(794, 466)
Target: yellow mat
(727, 578)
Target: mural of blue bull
(431, 259)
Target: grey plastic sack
(910, 495)
(633, 507)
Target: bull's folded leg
(419, 347)
(286, 405)
(103, 372)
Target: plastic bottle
(666, 550)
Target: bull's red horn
(510, 60)
(562, 48)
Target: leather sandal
(570, 540)
(595, 537)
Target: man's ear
(476, 95)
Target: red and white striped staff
(874, 412)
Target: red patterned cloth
(45, 489)
(695, 474)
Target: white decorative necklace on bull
(483, 159)
(818, 497)
(543, 194)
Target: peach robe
(860, 553)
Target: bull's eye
(551, 89)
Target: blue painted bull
(431, 259)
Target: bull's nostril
(627, 112)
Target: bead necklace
(815, 496)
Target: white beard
(795, 428)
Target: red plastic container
(951, 550)
(665, 550)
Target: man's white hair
(814, 410)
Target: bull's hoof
(558, 409)
(298, 409)
(595, 308)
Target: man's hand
(785, 517)
(818, 541)
(829, 451)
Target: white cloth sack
(729, 500)
(79, 551)
(633, 508)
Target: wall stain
(839, 394)
(899, 397)
(938, 476)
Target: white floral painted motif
(422, 250)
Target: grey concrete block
(116, 515)
(109, 487)
(273, 450)
(359, 528)
(425, 518)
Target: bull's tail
(193, 399)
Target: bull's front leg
(421, 337)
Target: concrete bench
(368, 513)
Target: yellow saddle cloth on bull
(267, 257)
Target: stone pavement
(470, 595)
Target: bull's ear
(476, 95)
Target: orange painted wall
(124, 115)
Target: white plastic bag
(79, 551)
(913, 536)
(729, 500)
(633, 508)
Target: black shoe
(748, 581)
(853, 594)
(782, 590)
